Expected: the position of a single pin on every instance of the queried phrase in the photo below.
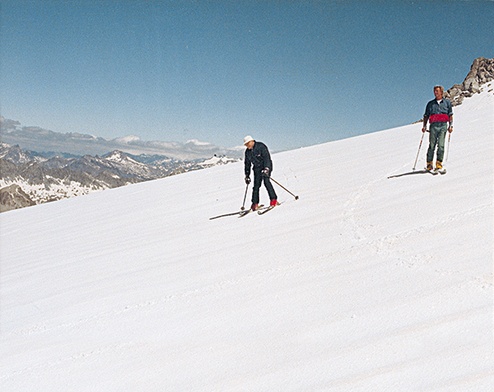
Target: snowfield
(363, 284)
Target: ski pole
(418, 152)
(276, 182)
(245, 195)
(449, 142)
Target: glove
(265, 172)
(247, 180)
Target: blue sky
(291, 73)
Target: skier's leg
(270, 189)
(255, 189)
(441, 137)
(432, 142)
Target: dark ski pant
(437, 136)
(258, 179)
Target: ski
(266, 209)
(260, 210)
(263, 211)
(435, 172)
(245, 212)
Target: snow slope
(363, 284)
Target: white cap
(248, 139)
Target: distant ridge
(42, 140)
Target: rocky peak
(13, 197)
(15, 154)
(481, 72)
(119, 157)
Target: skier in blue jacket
(438, 113)
(257, 156)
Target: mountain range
(29, 178)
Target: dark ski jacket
(258, 157)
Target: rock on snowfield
(481, 72)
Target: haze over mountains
(42, 140)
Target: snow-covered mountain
(41, 179)
(15, 154)
(363, 284)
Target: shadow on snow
(410, 173)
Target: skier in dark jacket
(257, 156)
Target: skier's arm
(247, 165)
(450, 129)
(266, 159)
(426, 117)
(424, 125)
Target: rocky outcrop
(481, 72)
(13, 197)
